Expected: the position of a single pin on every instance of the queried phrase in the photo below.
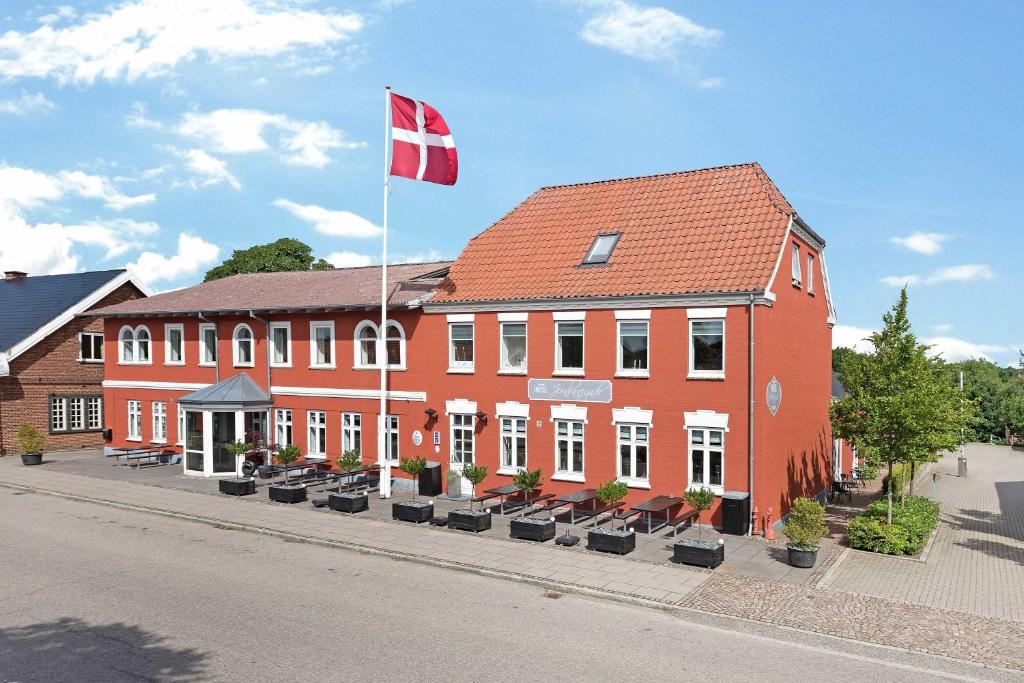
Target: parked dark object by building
(735, 512)
(430, 479)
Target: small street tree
(286, 455)
(700, 500)
(901, 405)
(474, 474)
(413, 467)
(527, 481)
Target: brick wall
(52, 367)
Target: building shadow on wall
(70, 649)
(807, 473)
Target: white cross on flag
(421, 144)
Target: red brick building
(670, 331)
(51, 359)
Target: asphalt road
(92, 593)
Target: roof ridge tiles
(751, 164)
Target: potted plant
(697, 551)
(804, 527)
(413, 510)
(31, 443)
(345, 501)
(286, 492)
(525, 527)
(237, 486)
(471, 520)
(609, 540)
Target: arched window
(142, 344)
(127, 344)
(366, 345)
(242, 345)
(395, 341)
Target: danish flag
(421, 144)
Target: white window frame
(571, 474)
(134, 420)
(392, 429)
(287, 327)
(181, 424)
(453, 427)
(705, 421)
(58, 414)
(91, 336)
(461, 366)
(810, 273)
(76, 413)
(797, 278)
(633, 442)
(700, 316)
(357, 346)
(401, 344)
(351, 432)
(236, 347)
(159, 412)
(631, 372)
(560, 317)
(283, 419)
(203, 329)
(180, 329)
(96, 425)
(505, 367)
(316, 432)
(133, 338)
(313, 364)
(138, 345)
(511, 422)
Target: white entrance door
(463, 442)
(837, 459)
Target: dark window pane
(572, 351)
(715, 458)
(641, 462)
(698, 467)
(707, 345)
(626, 467)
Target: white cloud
(649, 33)
(148, 38)
(710, 83)
(349, 259)
(928, 243)
(328, 222)
(427, 256)
(26, 104)
(950, 348)
(210, 170)
(193, 254)
(942, 327)
(117, 236)
(971, 272)
(851, 337)
(23, 188)
(237, 131)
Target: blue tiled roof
(29, 303)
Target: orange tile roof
(710, 230)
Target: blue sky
(163, 135)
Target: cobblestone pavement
(996, 642)
(976, 562)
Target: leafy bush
(527, 481)
(805, 524)
(612, 492)
(700, 500)
(474, 474)
(287, 455)
(237, 448)
(349, 460)
(30, 440)
(912, 523)
(897, 478)
(413, 467)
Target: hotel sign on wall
(581, 390)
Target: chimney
(12, 275)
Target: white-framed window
(810, 273)
(797, 279)
(391, 438)
(633, 352)
(181, 424)
(394, 344)
(366, 345)
(134, 345)
(317, 445)
(463, 438)
(159, 422)
(281, 344)
(207, 344)
(242, 346)
(94, 413)
(76, 414)
(601, 249)
(351, 432)
(174, 344)
(134, 420)
(321, 344)
(707, 348)
(634, 453)
(90, 347)
(707, 458)
(58, 414)
(513, 347)
(460, 347)
(569, 448)
(513, 444)
(283, 427)
(569, 347)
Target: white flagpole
(385, 466)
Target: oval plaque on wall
(417, 438)
(773, 396)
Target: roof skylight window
(601, 249)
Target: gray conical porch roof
(235, 393)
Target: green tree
(474, 474)
(1011, 412)
(700, 500)
(839, 354)
(285, 254)
(413, 467)
(901, 406)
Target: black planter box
(611, 540)
(31, 458)
(237, 487)
(708, 554)
(803, 559)
(412, 511)
(469, 520)
(532, 529)
(348, 502)
(287, 493)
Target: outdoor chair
(839, 489)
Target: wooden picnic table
(577, 497)
(656, 504)
(140, 453)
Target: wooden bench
(624, 515)
(681, 519)
(596, 512)
(483, 498)
(520, 503)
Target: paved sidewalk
(976, 562)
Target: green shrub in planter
(286, 455)
(349, 460)
(912, 523)
(474, 474)
(805, 525)
(700, 500)
(871, 533)
(30, 440)
(413, 467)
(527, 481)
(612, 491)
